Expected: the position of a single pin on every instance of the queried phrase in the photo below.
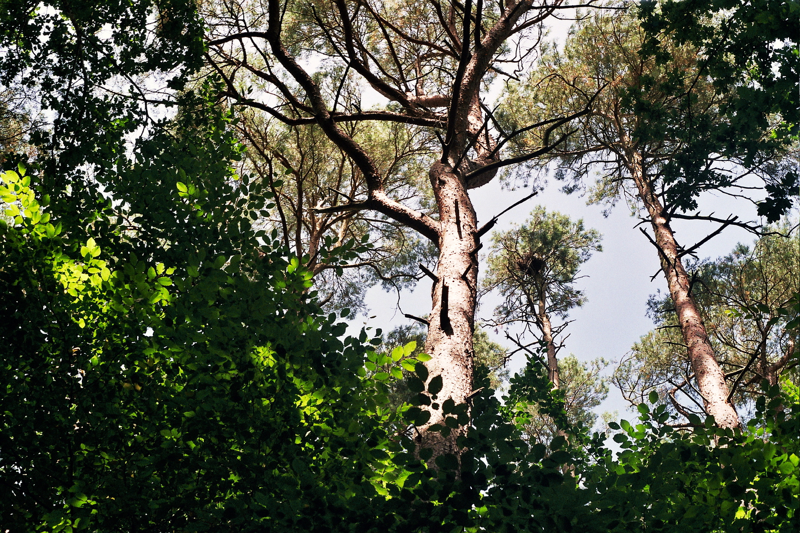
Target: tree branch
(489, 225)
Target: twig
(418, 319)
(744, 370)
(691, 249)
(489, 225)
(428, 273)
(342, 194)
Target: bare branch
(489, 225)
(428, 273)
(418, 319)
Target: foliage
(215, 423)
(70, 52)
(304, 170)
(707, 479)
(749, 50)
(664, 108)
(166, 368)
(492, 356)
(16, 120)
(582, 389)
(489, 355)
(169, 373)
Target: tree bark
(709, 375)
(547, 336)
(449, 341)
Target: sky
(617, 280)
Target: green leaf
(409, 364)
(558, 442)
(653, 397)
(397, 353)
(449, 406)
(412, 413)
(421, 371)
(422, 418)
(415, 384)
(447, 461)
(435, 385)
(182, 187)
(423, 357)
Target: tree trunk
(709, 375)
(449, 341)
(547, 336)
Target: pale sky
(617, 282)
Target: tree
(628, 137)
(535, 267)
(742, 297)
(16, 121)
(430, 63)
(488, 354)
(176, 376)
(163, 365)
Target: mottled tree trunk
(449, 340)
(709, 375)
(547, 336)
(552, 362)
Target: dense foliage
(170, 371)
(750, 55)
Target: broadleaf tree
(174, 377)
